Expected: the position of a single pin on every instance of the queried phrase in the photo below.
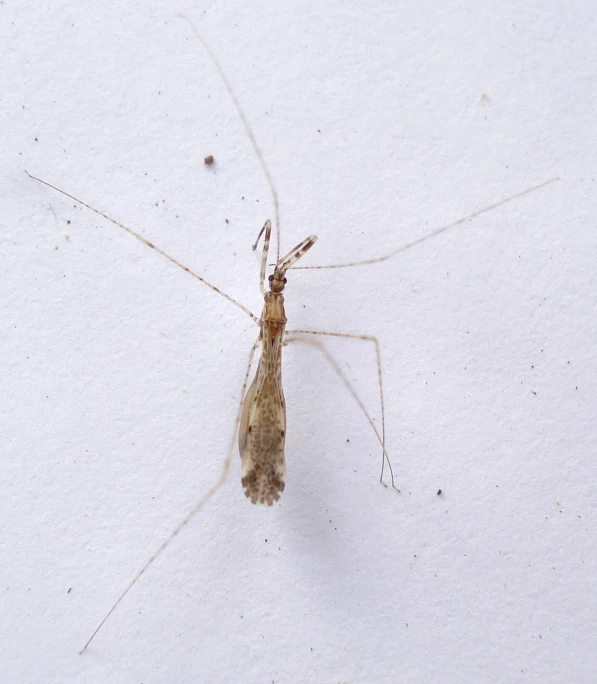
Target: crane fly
(261, 417)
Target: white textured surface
(120, 375)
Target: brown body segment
(262, 425)
(262, 429)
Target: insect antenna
(443, 229)
(243, 118)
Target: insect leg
(204, 499)
(367, 338)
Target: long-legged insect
(262, 429)
(261, 419)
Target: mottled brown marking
(263, 487)
(263, 417)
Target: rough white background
(120, 375)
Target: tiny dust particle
(209, 160)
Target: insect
(261, 418)
(262, 429)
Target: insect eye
(285, 281)
(271, 278)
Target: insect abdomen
(261, 443)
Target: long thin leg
(418, 241)
(368, 338)
(192, 513)
(267, 229)
(149, 244)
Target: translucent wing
(262, 430)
